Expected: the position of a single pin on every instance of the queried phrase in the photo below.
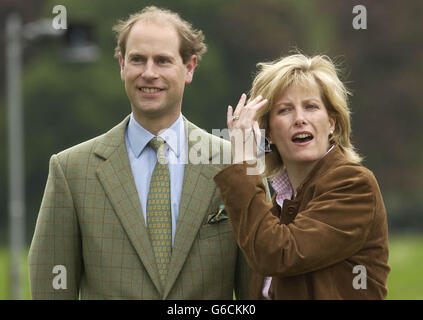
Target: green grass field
(405, 280)
(4, 275)
(406, 260)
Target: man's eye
(136, 59)
(163, 60)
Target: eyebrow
(134, 54)
(307, 100)
(160, 55)
(313, 100)
(164, 55)
(283, 103)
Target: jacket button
(292, 210)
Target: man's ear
(122, 66)
(190, 65)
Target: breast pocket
(215, 230)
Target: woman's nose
(299, 118)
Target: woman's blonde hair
(191, 40)
(276, 76)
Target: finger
(261, 104)
(258, 98)
(240, 104)
(229, 117)
(257, 101)
(257, 132)
(254, 109)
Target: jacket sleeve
(242, 277)
(332, 227)
(54, 259)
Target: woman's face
(299, 125)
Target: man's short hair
(191, 40)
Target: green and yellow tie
(159, 219)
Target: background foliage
(66, 104)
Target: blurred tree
(66, 104)
(29, 11)
(386, 66)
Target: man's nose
(149, 71)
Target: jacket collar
(115, 175)
(208, 148)
(332, 158)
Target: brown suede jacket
(330, 242)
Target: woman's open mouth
(302, 138)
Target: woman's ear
(269, 136)
(332, 122)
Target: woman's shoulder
(345, 171)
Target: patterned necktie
(159, 220)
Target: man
(117, 223)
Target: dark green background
(66, 104)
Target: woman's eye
(283, 110)
(311, 106)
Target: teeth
(302, 136)
(150, 90)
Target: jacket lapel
(116, 177)
(198, 189)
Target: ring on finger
(235, 118)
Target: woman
(324, 236)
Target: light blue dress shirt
(143, 160)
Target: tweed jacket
(333, 231)
(91, 222)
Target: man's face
(153, 71)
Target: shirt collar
(282, 187)
(139, 137)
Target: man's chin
(152, 113)
(149, 110)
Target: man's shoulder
(195, 131)
(99, 145)
(81, 148)
(218, 147)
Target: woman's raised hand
(243, 126)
